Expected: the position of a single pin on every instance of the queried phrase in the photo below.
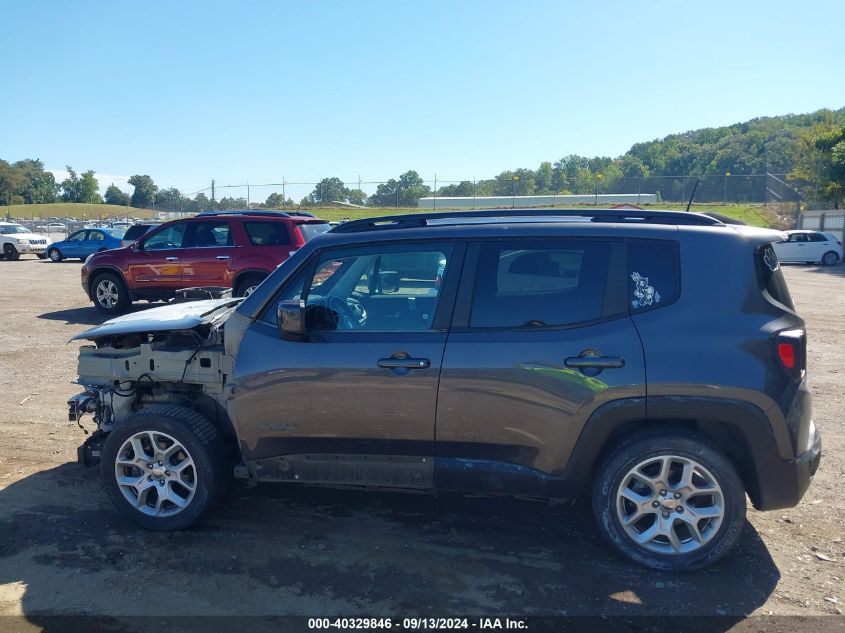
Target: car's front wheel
(165, 467)
(830, 258)
(109, 294)
(55, 255)
(669, 500)
(248, 284)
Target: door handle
(404, 363)
(602, 362)
(171, 259)
(222, 257)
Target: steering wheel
(348, 314)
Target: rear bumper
(784, 482)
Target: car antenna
(689, 204)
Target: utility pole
(725, 201)
(435, 192)
(284, 194)
(212, 194)
(247, 196)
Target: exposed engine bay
(137, 360)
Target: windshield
(9, 229)
(313, 229)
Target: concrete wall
(831, 220)
(521, 202)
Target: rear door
(540, 338)
(209, 249)
(156, 267)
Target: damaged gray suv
(545, 354)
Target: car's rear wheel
(11, 253)
(109, 294)
(830, 258)
(165, 467)
(55, 255)
(669, 500)
(247, 285)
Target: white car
(809, 247)
(17, 240)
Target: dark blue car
(84, 243)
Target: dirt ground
(272, 550)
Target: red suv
(232, 249)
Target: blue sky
(258, 91)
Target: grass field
(755, 214)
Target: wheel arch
(739, 429)
(107, 268)
(243, 274)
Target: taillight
(792, 351)
(786, 353)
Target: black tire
(830, 258)
(642, 446)
(113, 306)
(55, 255)
(11, 253)
(248, 281)
(40, 255)
(209, 452)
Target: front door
(355, 400)
(155, 266)
(540, 339)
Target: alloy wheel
(670, 505)
(107, 293)
(155, 473)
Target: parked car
(137, 230)
(17, 240)
(231, 249)
(484, 352)
(84, 243)
(810, 247)
(56, 227)
(121, 225)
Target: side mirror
(290, 317)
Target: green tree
(170, 199)
(70, 186)
(544, 177)
(143, 197)
(12, 181)
(277, 201)
(231, 204)
(357, 196)
(404, 192)
(40, 185)
(329, 190)
(116, 196)
(87, 190)
(463, 189)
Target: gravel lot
(271, 550)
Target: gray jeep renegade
(651, 360)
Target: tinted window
(267, 233)
(653, 274)
(771, 277)
(168, 237)
(135, 231)
(386, 288)
(78, 236)
(535, 284)
(96, 236)
(817, 237)
(210, 234)
(310, 230)
(798, 237)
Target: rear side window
(771, 277)
(653, 274)
(267, 233)
(817, 237)
(540, 284)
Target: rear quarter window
(770, 275)
(654, 278)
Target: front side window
(78, 236)
(168, 237)
(391, 288)
(798, 237)
(540, 283)
(11, 229)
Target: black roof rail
(416, 220)
(266, 213)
